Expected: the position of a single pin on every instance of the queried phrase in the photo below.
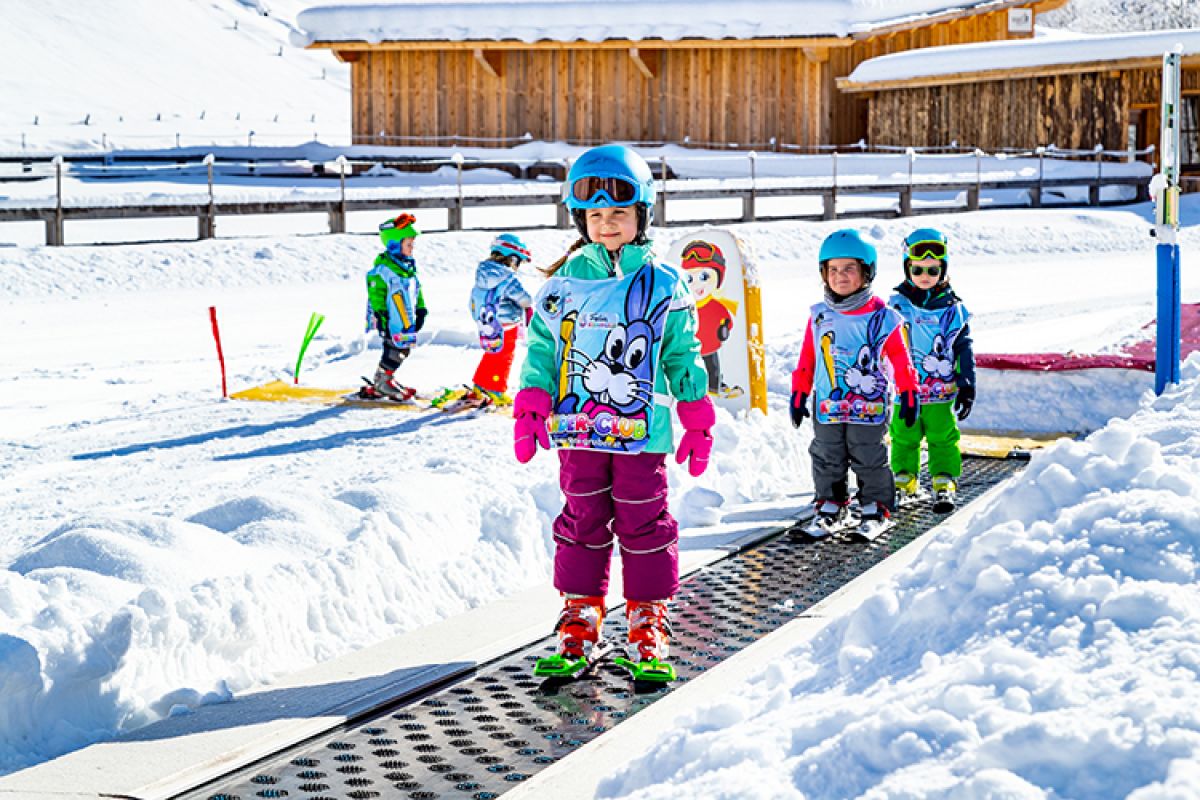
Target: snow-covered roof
(971, 59)
(586, 20)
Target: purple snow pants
(615, 496)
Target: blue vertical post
(1165, 188)
(1166, 351)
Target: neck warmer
(851, 302)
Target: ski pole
(314, 322)
(212, 314)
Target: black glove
(798, 408)
(381, 323)
(964, 401)
(420, 319)
(723, 329)
(909, 407)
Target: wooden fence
(455, 198)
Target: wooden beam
(490, 61)
(611, 44)
(647, 62)
(348, 56)
(1038, 71)
(817, 55)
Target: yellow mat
(1004, 444)
(282, 392)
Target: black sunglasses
(933, 272)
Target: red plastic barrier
(1136, 356)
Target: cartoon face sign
(703, 281)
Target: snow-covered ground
(1049, 647)
(166, 548)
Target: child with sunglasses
(612, 345)
(939, 338)
(849, 336)
(398, 305)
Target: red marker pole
(212, 314)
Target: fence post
(455, 217)
(1094, 189)
(562, 215)
(748, 200)
(54, 225)
(337, 217)
(1035, 197)
(208, 219)
(973, 194)
(660, 211)
(906, 194)
(830, 200)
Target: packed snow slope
(141, 71)
(164, 548)
(1047, 647)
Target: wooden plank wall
(742, 95)
(849, 122)
(726, 95)
(1074, 111)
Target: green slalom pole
(314, 322)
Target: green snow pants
(938, 425)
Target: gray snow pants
(838, 447)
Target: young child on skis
(939, 339)
(396, 300)
(849, 335)
(500, 306)
(613, 339)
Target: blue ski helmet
(926, 243)
(610, 176)
(509, 244)
(848, 243)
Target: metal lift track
(489, 731)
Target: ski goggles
(703, 253)
(399, 223)
(918, 251)
(597, 192)
(917, 270)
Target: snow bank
(1049, 647)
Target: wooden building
(1102, 91)
(773, 87)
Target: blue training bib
(850, 384)
(930, 336)
(609, 337)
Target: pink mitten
(698, 417)
(530, 410)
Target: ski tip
(650, 671)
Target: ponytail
(557, 265)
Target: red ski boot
(649, 641)
(578, 630)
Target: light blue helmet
(926, 243)
(509, 244)
(608, 176)
(848, 243)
